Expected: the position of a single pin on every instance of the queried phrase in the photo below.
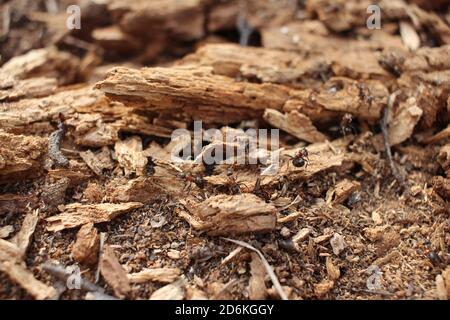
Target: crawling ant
(301, 158)
(365, 94)
(197, 180)
(347, 124)
(150, 167)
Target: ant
(150, 167)
(365, 94)
(347, 124)
(301, 158)
(197, 180)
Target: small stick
(54, 145)
(266, 264)
(61, 274)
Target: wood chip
(223, 214)
(409, 36)
(162, 275)
(332, 270)
(86, 247)
(113, 273)
(23, 237)
(98, 161)
(77, 214)
(342, 191)
(173, 291)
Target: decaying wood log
(162, 275)
(16, 203)
(20, 155)
(192, 92)
(77, 214)
(223, 214)
(113, 273)
(285, 67)
(86, 247)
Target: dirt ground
(92, 207)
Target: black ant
(301, 158)
(150, 167)
(365, 94)
(347, 124)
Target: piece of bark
(296, 124)
(47, 62)
(162, 275)
(113, 273)
(13, 90)
(23, 237)
(11, 264)
(86, 247)
(173, 291)
(54, 192)
(186, 93)
(130, 157)
(17, 203)
(20, 155)
(257, 289)
(403, 121)
(442, 186)
(77, 214)
(224, 215)
(342, 191)
(300, 236)
(145, 189)
(6, 231)
(332, 270)
(98, 161)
